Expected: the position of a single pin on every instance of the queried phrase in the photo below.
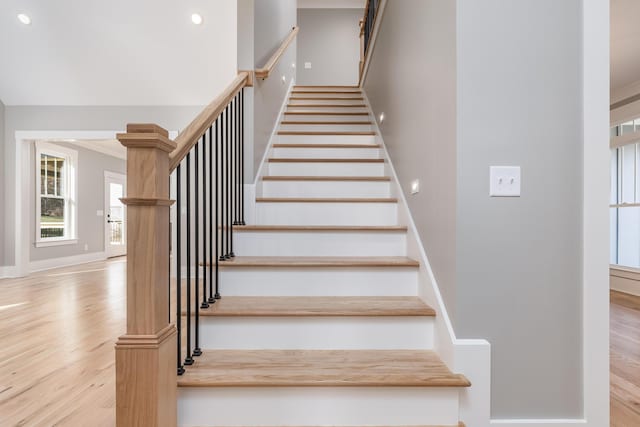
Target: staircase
(320, 321)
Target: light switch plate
(504, 181)
(307, 65)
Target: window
(625, 195)
(55, 194)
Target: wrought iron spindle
(242, 157)
(188, 360)
(205, 268)
(229, 144)
(179, 269)
(196, 284)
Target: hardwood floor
(58, 328)
(57, 335)
(625, 360)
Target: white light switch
(307, 65)
(504, 181)
(415, 186)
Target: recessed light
(284, 79)
(25, 19)
(196, 18)
(293, 65)
(381, 117)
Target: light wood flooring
(58, 328)
(625, 360)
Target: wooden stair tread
(324, 98)
(293, 122)
(326, 105)
(320, 368)
(282, 261)
(318, 306)
(327, 146)
(326, 113)
(326, 178)
(327, 86)
(326, 133)
(327, 160)
(326, 200)
(322, 228)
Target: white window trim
(71, 237)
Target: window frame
(70, 198)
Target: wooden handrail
(192, 133)
(264, 72)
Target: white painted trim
(55, 242)
(71, 206)
(47, 264)
(624, 279)
(331, 4)
(372, 41)
(120, 178)
(625, 92)
(595, 216)
(539, 423)
(471, 357)
(274, 136)
(8, 271)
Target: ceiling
(116, 52)
(111, 147)
(625, 43)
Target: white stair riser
(317, 406)
(300, 243)
(325, 118)
(322, 108)
(347, 101)
(326, 213)
(327, 128)
(326, 189)
(319, 282)
(326, 153)
(316, 333)
(326, 139)
(326, 169)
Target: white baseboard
(538, 423)
(625, 280)
(8, 271)
(47, 264)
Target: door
(115, 215)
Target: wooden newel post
(146, 355)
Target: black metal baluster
(229, 143)
(242, 157)
(223, 185)
(205, 267)
(236, 187)
(215, 148)
(179, 270)
(188, 360)
(196, 298)
(213, 171)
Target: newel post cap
(147, 135)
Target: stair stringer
(470, 357)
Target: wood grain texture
(326, 87)
(326, 113)
(326, 178)
(293, 122)
(625, 359)
(327, 160)
(325, 92)
(320, 262)
(322, 228)
(326, 133)
(320, 368)
(190, 135)
(318, 306)
(57, 330)
(337, 98)
(265, 71)
(327, 146)
(326, 105)
(324, 200)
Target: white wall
(330, 40)
(2, 179)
